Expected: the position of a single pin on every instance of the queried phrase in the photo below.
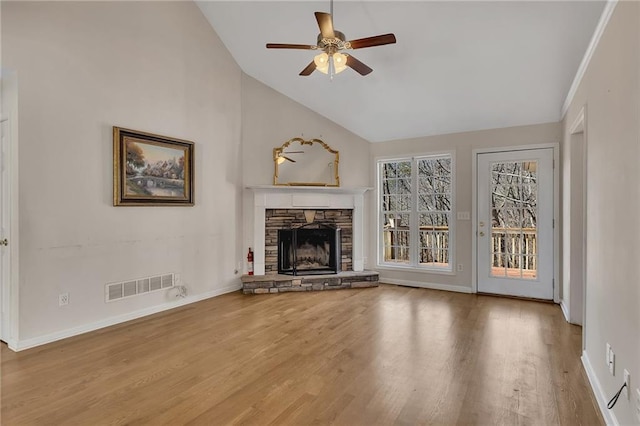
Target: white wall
(462, 144)
(84, 67)
(610, 89)
(268, 120)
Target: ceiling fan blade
(288, 159)
(358, 66)
(325, 22)
(309, 69)
(290, 46)
(373, 41)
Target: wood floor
(386, 355)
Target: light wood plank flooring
(387, 355)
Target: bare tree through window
(427, 207)
(514, 193)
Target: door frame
(9, 111)
(580, 126)
(556, 209)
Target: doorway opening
(574, 219)
(8, 209)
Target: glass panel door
(515, 223)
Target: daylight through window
(416, 200)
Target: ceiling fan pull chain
(332, 68)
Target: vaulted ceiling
(457, 65)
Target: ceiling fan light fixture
(280, 159)
(322, 61)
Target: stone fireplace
(280, 221)
(342, 206)
(292, 207)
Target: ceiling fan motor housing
(334, 44)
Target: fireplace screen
(307, 251)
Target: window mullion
(414, 219)
(380, 229)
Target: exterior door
(515, 223)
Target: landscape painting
(151, 169)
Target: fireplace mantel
(306, 197)
(308, 189)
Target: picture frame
(151, 170)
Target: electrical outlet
(460, 267)
(63, 299)
(627, 380)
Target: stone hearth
(260, 284)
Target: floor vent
(126, 289)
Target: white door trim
(556, 210)
(580, 125)
(9, 111)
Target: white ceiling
(457, 66)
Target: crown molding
(593, 44)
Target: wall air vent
(130, 288)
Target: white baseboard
(21, 345)
(565, 310)
(12, 344)
(433, 286)
(609, 416)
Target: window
(416, 203)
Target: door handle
(481, 234)
(4, 242)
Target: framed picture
(151, 170)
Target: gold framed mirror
(300, 162)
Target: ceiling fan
(282, 157)
(331, 61)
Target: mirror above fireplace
(300, 162)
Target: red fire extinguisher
(250, 262)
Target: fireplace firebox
(309, 249)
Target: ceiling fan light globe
(339, 62)
(322, 62)
(280, 160)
